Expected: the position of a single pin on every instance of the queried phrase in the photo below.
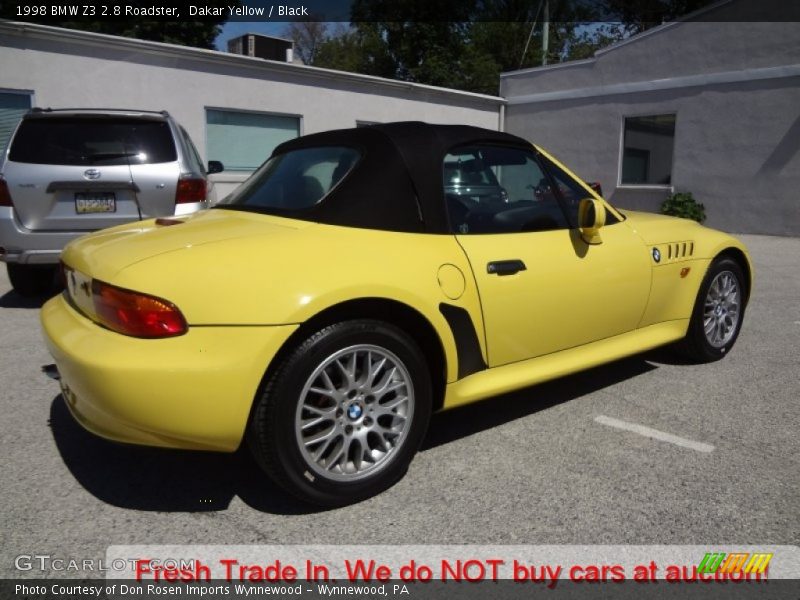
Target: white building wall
(77, 69)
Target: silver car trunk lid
(69, 198)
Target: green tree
(511, 30)
(453, 43)
(466, 44)
(340, 50)
(414, 40)
(356, 48)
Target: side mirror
(214, 166)
(591, 217)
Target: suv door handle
(505, 267)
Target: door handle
(505, 267)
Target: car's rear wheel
(31, 280)
(343, 414)
(718, 312)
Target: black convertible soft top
(397, 184)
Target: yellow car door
(542, 287)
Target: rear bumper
(191, 392)
(24, 246)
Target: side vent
(468, 348)
(680, 250)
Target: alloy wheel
(354, 412)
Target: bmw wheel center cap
(354, 411)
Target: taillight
(5, 195)
(190, 189)
(597, 188)
(135, 314)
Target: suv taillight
(596, 187)
(5, 195)
(135, 314)
(190, 189)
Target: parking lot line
(654, 433)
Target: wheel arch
(740, 258)
(390, 311)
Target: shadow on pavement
(467, 420)
(154, 479)
(12, 299)
(668, 355)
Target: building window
(12, 107)
(242, 141)
(647, 148)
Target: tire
(336, 449)
(31, 280)
(720, 306)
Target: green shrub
(684, 205)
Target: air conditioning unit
(262, 46)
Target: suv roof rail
(38, 109)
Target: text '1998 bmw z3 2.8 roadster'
(361, 279)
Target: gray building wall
(63, 68)
(735, 90)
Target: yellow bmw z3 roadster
(363, 278)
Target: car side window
(295, 180)
(497, 189)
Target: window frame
(267, 113)
(621, 151)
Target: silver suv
(70, 171)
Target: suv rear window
(92, 141)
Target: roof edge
(661, 28)
(670, 83)
(93, 38)
(616, 45)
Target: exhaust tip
(52, 372)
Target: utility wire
(530, 35)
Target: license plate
(95, 203)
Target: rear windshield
(92, 141)
(296, 180)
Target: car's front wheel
(718, 312)
(342, 415)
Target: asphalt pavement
(647, 450)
